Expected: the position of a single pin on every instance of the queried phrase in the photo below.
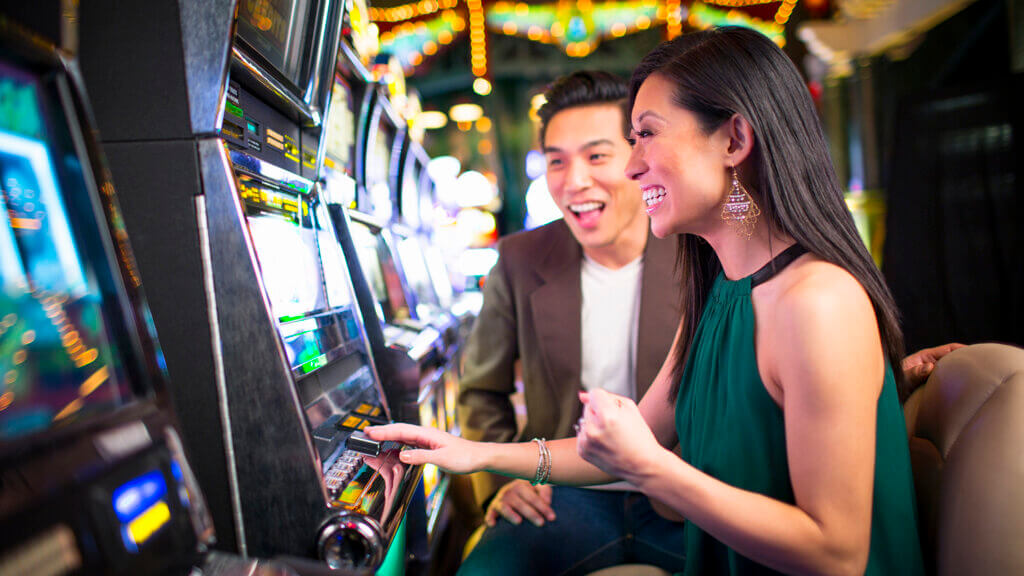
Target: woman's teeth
(654, 196)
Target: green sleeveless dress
(730, 428)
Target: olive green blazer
(531, 313)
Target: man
(587, 301)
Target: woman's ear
(741, 139)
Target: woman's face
(682, 172)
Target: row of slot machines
(279, 217)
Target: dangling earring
(740, 211)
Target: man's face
(586, 155)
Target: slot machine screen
(340, 130)
(303, 274)
(410, 193)
(285, 240)
(60, 358)
(439, 275)
(381, 273)
(277, 30)
(378, 167)
(415, 268)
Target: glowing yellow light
(68, 410)
(484, 147)
(416, 58)
(483, 125)
(557, 30)
(149, 522)
(6, 399)
(431, 119)
(477, 46)
(481, 86)
(430, 47)
(466, 113)
(464, 126)
(537, 101)
(93, 382)
(643, 22)
(86, 357)
(618, 29)
(444, 37)
(522, 9)
(534, 33)
(509, 27)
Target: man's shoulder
(530, 243)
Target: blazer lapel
(556, 307)
(659, 310)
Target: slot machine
(212, 118)
(94, 478)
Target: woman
(779, 391)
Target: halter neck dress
(730, 428)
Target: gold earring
(740, 211)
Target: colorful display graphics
(55, 354)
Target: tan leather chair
(966, 428)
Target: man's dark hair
(584, 88)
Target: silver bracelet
(547, 462)
(543, 462)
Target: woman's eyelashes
(639, 136)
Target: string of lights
(410, 11)
(577, 27)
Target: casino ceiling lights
(414, 32)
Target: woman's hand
(431, 446)
(613, 435)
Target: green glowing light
(234, 109)
(318, 362)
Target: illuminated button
(364, 409)
(352, 421)
(149, 522)
(376, 411)
(363, 425)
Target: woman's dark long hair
(725, 71)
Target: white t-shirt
(609, 319)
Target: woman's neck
(740, 256)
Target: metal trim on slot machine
(214, 132)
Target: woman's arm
(520, 460)
(819, 347)
(461, 456)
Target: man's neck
(627, 247)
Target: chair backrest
(966, 428)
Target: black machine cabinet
(213, 130)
